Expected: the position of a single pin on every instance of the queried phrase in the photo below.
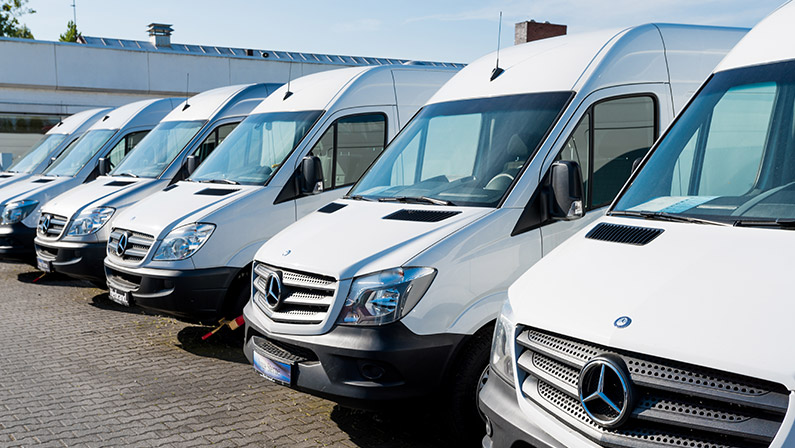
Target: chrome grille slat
(306, 299)
(56, 228)
(678, 404)
(138, 245)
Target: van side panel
(413, 88)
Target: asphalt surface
(78, 370)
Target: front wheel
(469, 375)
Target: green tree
(71, 33)
(10, 10)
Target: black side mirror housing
(191, 163)
(566, 191)
(310, 175)
(104, 166)
(636, 164)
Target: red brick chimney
(532, 30)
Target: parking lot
(79, 370)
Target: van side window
(124, 147)
(214, 138)
(348, 147)
(608, 139)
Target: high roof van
(55, 141)
(111, 137)
(392, 292)
(74, 239)
(187, 250)
(668, 322)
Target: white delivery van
(187, 250)
(392, 292)
(667, 322)
(186, 136)
(111, 137)
(55, 141)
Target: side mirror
(192, 162)
(567, 196)
(310, 175)
(636, 164)
(104, 166)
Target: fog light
(372, 371)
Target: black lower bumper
(367, 368)
(16, 242)
(197, 294)
(79, 260)
(509, 426)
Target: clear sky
(449, 30)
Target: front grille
(676, 405)
(55, 228)
(138, 244)
(305, 298)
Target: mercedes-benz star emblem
(45, 224)
(121, 246)
(274, 294)
(605, 391)
(622, 322)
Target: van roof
(139, 113)
(769, 41)
(210, 103)
(73, 122)
(590, 61)
(319, 90)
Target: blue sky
(450, 30)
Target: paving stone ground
(79, 370)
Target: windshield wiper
(663, 216)
(219, 181)
(416, 200)
(358, 197)
(778, 223)
(126, 175)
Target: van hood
(357, 239)
(703, 294)
(178, 204)
(35, 187)
(9, 178)
(103, 192)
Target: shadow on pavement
(401, 427)
(226, 345)
(102, 302)
(53, 278)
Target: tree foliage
(10, 11)
(71, 33)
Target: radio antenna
(187, 91)
(288, 93)
(497, 70)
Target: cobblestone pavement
(79, 370)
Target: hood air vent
(42, 181)
(215, 192)
(420, 215)
(4, 176)
(616, 233)
(331, 208)
(119, 183)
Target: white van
(300, 149)
(667, 322)
(186, 136)
(392, 293)
(55, 141)
(111, 137)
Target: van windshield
(253, 152)
(730, 157)
(76, 157)
(463, 152)
(40, 151)
(158, 149)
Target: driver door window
(125, 145)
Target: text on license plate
(276, 371)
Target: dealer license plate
(276, 371)
(43, 265)
(119, 296)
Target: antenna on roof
(288, 93)
(187, 91)
(497, 70)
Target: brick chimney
(160, 34)
(532, 30)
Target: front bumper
(509, 426)
(79, 260)
(196, 294)
(16, 241)
(363, 367)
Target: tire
(238, 295)
(470, 371)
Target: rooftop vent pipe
(160, 34)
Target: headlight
(89, 221)
(385, 296)
(183, 242)
(14, 212)
(502, 349)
